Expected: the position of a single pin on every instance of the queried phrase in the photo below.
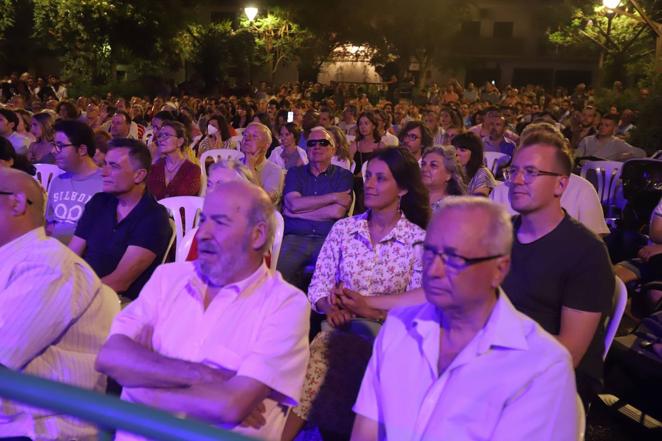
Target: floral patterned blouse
(392, 266)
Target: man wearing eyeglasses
(54, 312)
(475, 367)
(74, 149)
(316, 195)
(561, 274)
(254, 144)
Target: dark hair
(138, 151)
(293, 129)
(222, 125)
(78, 133)
(263, 118)
(274, 102)
(456, 119)
(101, 137)
(470, 141)
(70, 109)
(612, 117)
(10, 116)
(20, 162)
(426, 136)
(415, 204)
(164, 115)
(545, 134)
(371, 118)
(125, 114)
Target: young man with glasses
(315, 196)
(561, 274)
(451, 346)
(74, 148)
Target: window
(470, 29)
(503, 29)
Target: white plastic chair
(278, 239)
(216, 155)
(364, 167)
(494, 159)
(191, 205)
(46, 173)
(173, 237)
(581, 419)
(608, 175)
(350, 210)
(350, 138)
(185, 247)
(611, 325)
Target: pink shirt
(512, 382)
(257, 327)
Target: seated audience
(431, 121)
(368, 254)
(9, 121)
(342, 157)
(123, 233)
(172, 174)
(214, 339)
(367, 140)
(288, 154)
(605, 145)
(74, 147)
(416, 137)
(41, 150)
(431, 375)
(54, 312)
(254, 144)
(561, 275)
(101, 140)
(9, 158)
(315, 196)
(215, 135)
(479, 179)
(496, 141)
(441, 174)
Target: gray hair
(326, 132)
(263, 211)
(240, 169)
(456, 186)
(498, 238)
(266, 131)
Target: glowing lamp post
(251, 12)
(611, 4)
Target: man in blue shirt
(316, 195)
(123, 233)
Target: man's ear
(19, 203)
(259, 235)
(139, 175)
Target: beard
(217, 268)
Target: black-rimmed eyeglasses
(455, 261)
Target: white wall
(352, 71)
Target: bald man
(54, 311)
(214, 338)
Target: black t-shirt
(146, 226)
(567, 267)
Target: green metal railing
(106, 412)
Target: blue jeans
(296, 253)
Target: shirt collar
(402, 232)
(328, 172)
(502, 329)
(196, 287)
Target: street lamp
(251, 12)
(611, 4)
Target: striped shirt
(54, 316)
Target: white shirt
(513, 381)
(257, 327)
(277, 159)
(580, 200)
(54, 316)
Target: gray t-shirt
(66, 202)
(612, 149)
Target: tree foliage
(6, 15)
(623, 43)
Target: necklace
(176, 166)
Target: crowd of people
(456, 299)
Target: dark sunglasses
(322, 142)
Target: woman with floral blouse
(371, 253)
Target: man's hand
(343, 198)
(339, 317)
(256, 418)
(358, 305)
(649, 251)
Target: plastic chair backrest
(364, 167)
(494, 159)
(173, 237)
(611, 325)
(46, 173)
(278, 239)
(581, 419)
(350, 211)
(191, 206)
(608, 175)
(216, 155)
(185, 247)
(350, 138)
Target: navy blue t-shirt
(146, 226)
(300, 179)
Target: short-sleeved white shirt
(257, 327)
(513, 381)
(580, 200)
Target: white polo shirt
(580, 200)
(513, 381)
(257, 327)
